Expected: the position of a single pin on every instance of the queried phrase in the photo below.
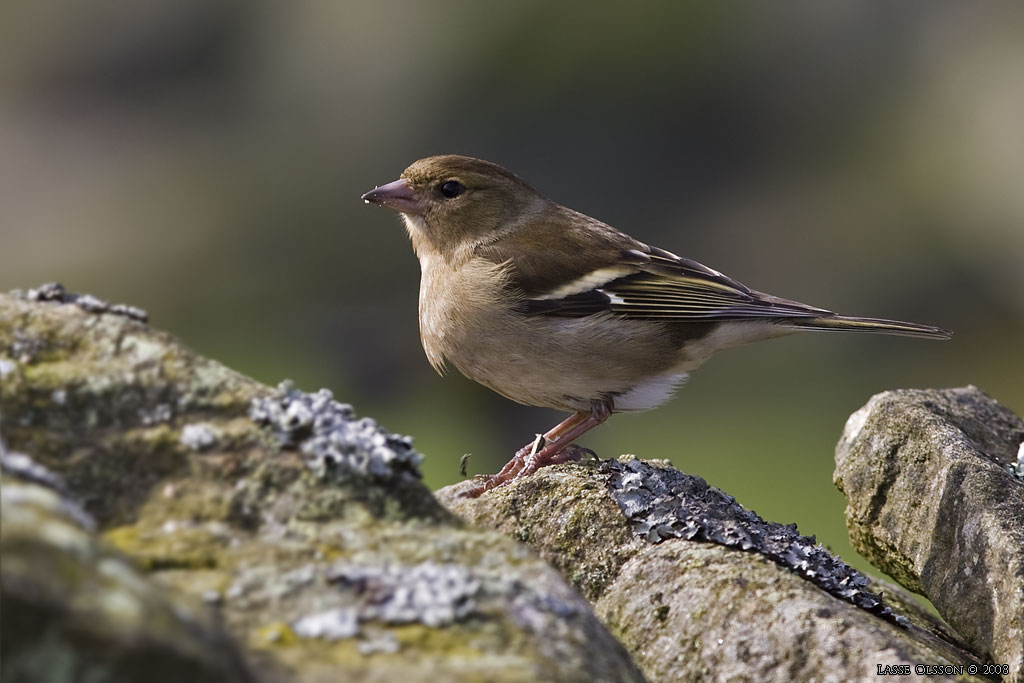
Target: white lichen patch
(199, 436)
(1017, 468)
(335, 440)
(332, 624)
(855, 423)
(143, 349)
(429, 593)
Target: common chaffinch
(550, 307)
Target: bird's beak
(397, 195)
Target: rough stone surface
(933, 501)
(304, 528)
(273, 535)
(74, 610)
(54, 291)
(690, 610)
(662, 503)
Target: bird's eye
(452, 189)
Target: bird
(550, 307)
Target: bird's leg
(558, 448)
(514, 466)
(552, 447)
(518, 460)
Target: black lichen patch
(54, 291)
(665, 503)
(337, 443)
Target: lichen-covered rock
(305, 528)
(101, 398)
(933, 500)
(75, 610)
(662, 503)
(747, 603)
(308, 533)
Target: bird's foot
(569, 453)
(526, 461)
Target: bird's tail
(844, 323)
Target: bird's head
(451, 201)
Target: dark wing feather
(662, 286)
(573, 306)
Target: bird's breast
(469, 317)
(461, 302)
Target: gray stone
(76, 610)
(55, 292)
(662, 503)
(306, 528)
(932, 501)
(297, 542)
(749, 600)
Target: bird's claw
(525, 462)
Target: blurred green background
(203, 159)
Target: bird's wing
(667, 287)
(626, 277)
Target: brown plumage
(550, 307)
